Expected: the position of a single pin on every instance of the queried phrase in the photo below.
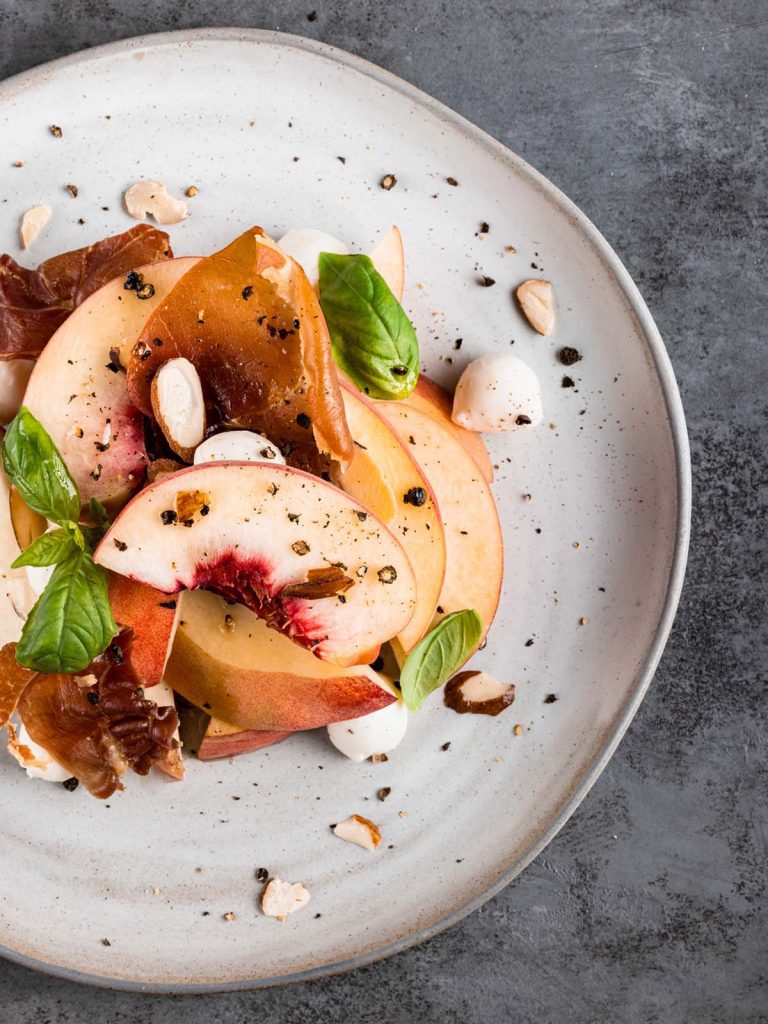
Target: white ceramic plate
(154, 869)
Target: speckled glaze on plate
(258, 121)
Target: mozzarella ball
(237, 446)
(376, 733)
(305, 245)
(497, 393)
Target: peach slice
(388, 258)
(382, 465)
(150, 614)
(298, 551)
(222, 740)
(474, 546)
(78, 392)
(16, 595)
(434, 400)
(226, 661)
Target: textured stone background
(649, 907)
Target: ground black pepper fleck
(362, 516)
(303, 420)
(550, 698)
(262, 875)
(120, 545)
(92, 697)
(168, 604)
(383, 793)
(529, 643)
(169, 517)
(485, 227)
(71, 785)
(452, 181)
(247, 292)
(458, 343)
(446, 746)
(568, 356)
(487, 282)
(522, 420)
(568, 382)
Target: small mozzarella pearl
(305, 245)
(496, 393)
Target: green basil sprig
(438, 655)
(373, 340)
(71, 621)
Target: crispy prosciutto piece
(99, 725)
(250, 322)
(13, 681)
(34, 303)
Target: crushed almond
(535, 298)
(152, 199)
(474, 692)
(360, 831)
(32, 223)
(280, 899)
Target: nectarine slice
(436, 402)
(414, 518)
(296, 550)
(226, 661)
(222, 740)
(388, 258)
(474, 546)
(150, 614)
(77, 388)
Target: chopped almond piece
(178, 405)
(280, 899)
(478, 693)
(32, 223)
(152, 199)
(360, 831)
(535, 298)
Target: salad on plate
(233, 508)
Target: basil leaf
(71, 622)
(34, 465)
(99, 515)
(373, 340)
(437, 656)
(48, 549)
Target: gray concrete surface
(649, 907)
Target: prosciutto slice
(34, 303)
(250, 322)
(99, 725)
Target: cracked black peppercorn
(568, 356)
(415, 496)
(169, 517)
(71, 785)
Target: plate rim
(580, 786)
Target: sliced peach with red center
(77, 388)
(298, 551)
(227, 662)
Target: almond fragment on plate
(535, 298)
(32, 223)
(280, 899)
(478, 693)
(178, 405)
(152, 199)
(360, 831)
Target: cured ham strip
(34, 303)
(249, 321)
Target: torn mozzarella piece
(35, 760)
(152, 199)
(32, 223)
(305, 246)
(360, 831)
(178, 405)
(238, 446)
(14, 375)
(376, 733)
(497, 392)
(280, 899)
